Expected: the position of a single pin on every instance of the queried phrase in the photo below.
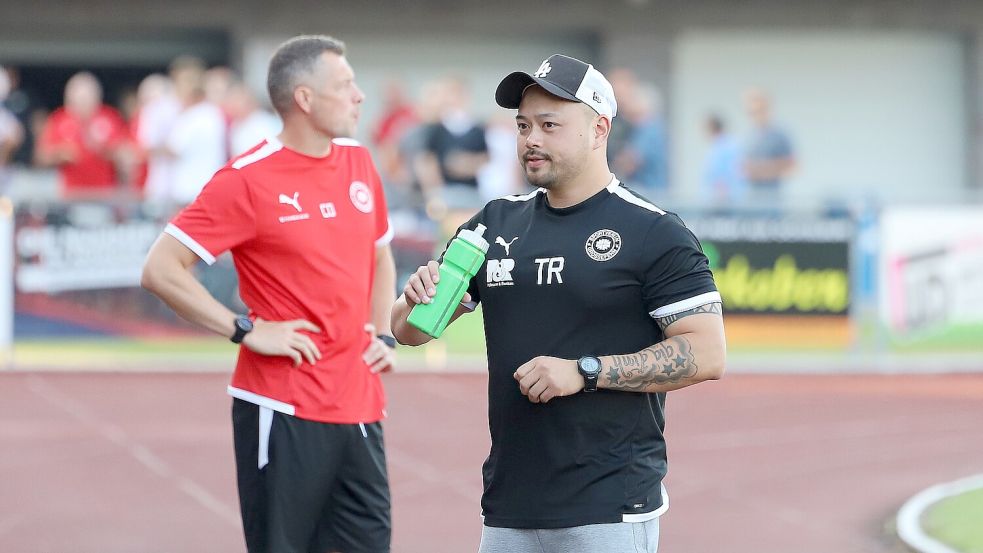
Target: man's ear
(601, 130)
(303, 97)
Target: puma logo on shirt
(284, 199)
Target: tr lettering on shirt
(553, 266)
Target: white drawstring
(265, 422)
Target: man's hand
(283, 338)
(378, 356)
(422, 285)
(544, 378)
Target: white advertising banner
(58, 258)
(931, 270)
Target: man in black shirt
(595, 303)
(454, 152)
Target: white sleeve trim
(262, 401)
(470, 306)
(190, 242)
(645, 517)
(523, 197)
(684, 305)
(386, 238)
(627, 196)
(266, 150)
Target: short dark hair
(294, 59)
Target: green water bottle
(463, 257)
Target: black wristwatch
(590, 368)
(388, 340)
(244, 325)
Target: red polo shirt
(92, 142)
(303, 233)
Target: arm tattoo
(667, 320)
(667, 362)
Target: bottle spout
(475, 237)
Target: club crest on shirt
(603, 245)
(361, 196)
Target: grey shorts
(618, 537)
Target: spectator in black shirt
(455, 150)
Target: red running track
(142, 463)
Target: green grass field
(957, 522)
(954, 338)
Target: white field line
(909, 516)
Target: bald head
(83, 94)
(758, 105)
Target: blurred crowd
(165, 139)
(436, 155)
(162, 142)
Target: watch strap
(243, 326)
(388, 340)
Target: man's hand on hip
(544, 378)
(378, 356)
(284, 338)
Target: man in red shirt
(84, 139)
(305, 219)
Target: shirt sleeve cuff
(686, 304)
(387, 237)
(190, 243)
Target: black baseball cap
(562, 76)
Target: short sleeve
(50, 135)
(383, 227)
(430, 139)
(221, 217)
(677, 275)
(120, 133)
(480, 141)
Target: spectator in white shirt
(251, 124)
(197, 138)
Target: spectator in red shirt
(84, 139)
(398, 117)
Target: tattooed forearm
(667, 362)
(667, 320)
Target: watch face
(244, 323)
(590, 364)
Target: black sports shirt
(582, 280)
